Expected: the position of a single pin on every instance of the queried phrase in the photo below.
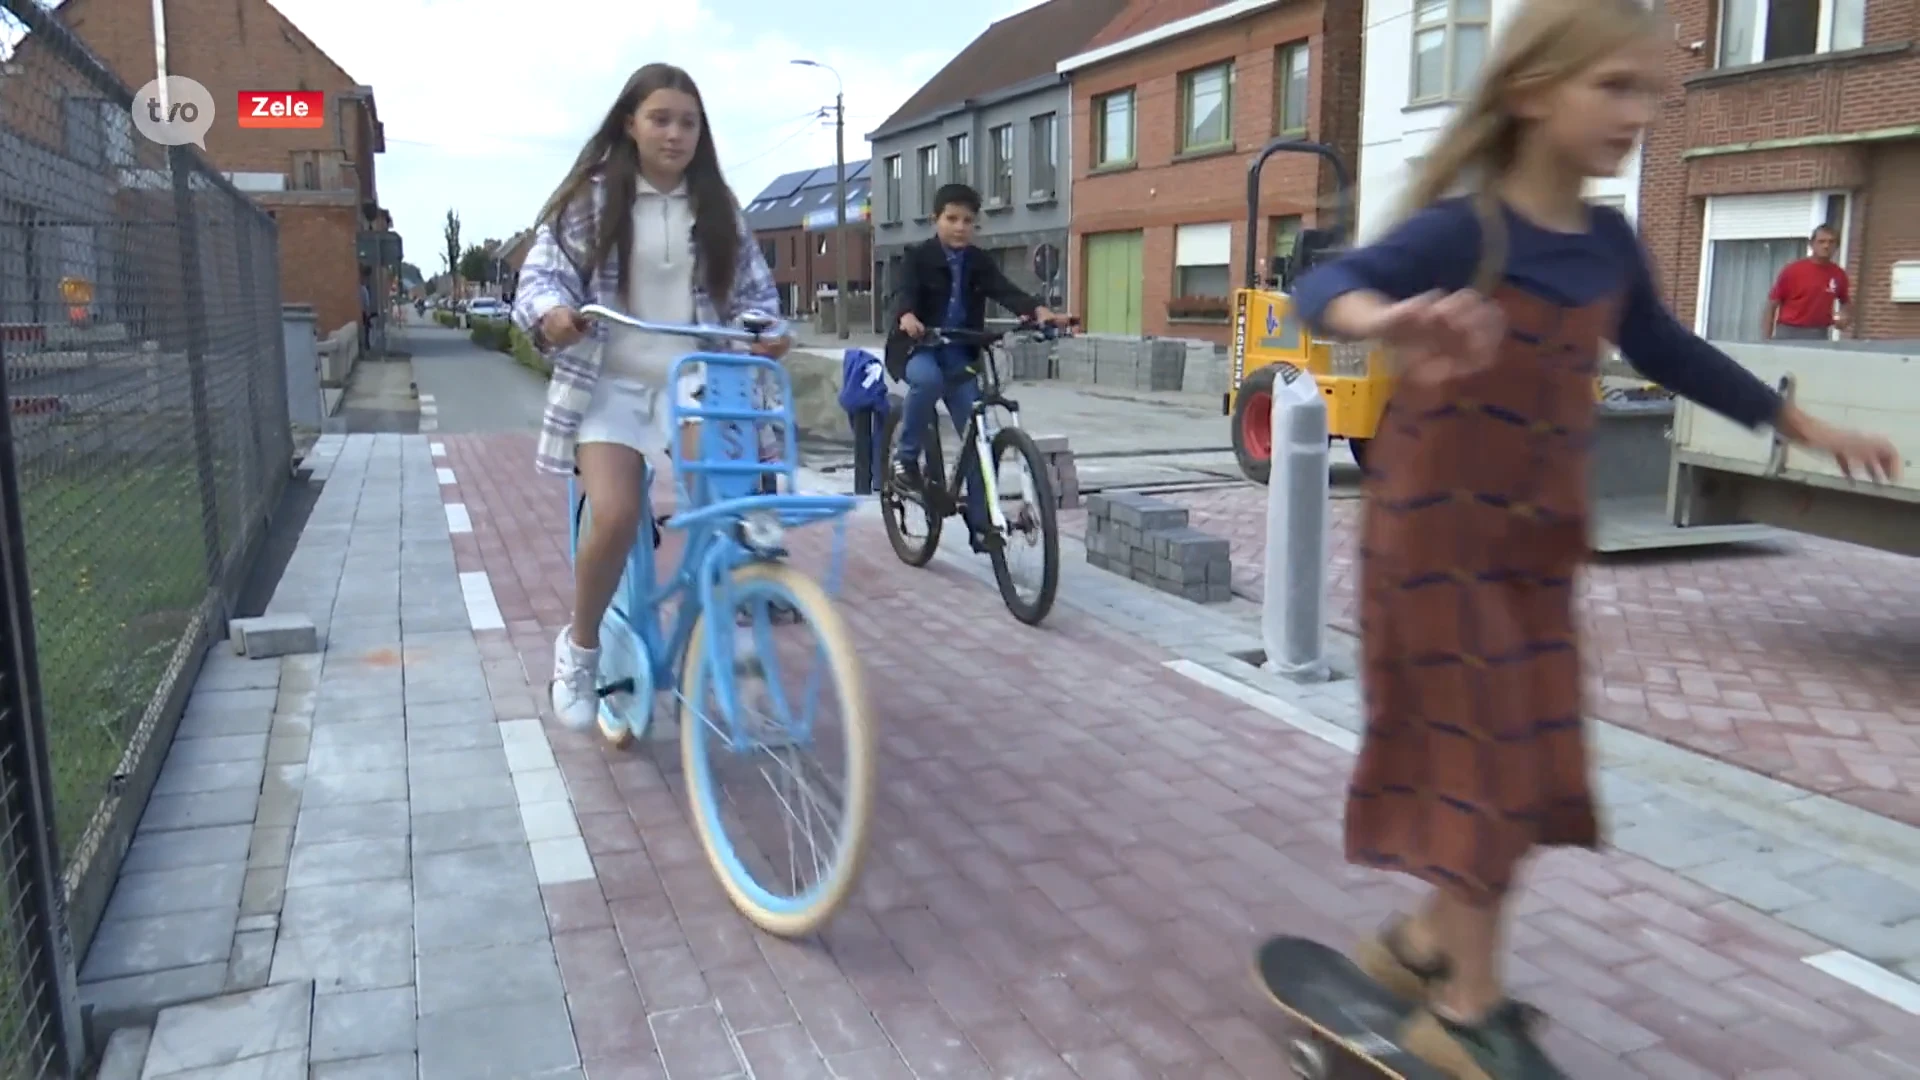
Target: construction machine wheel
(1253, 425)
(1358, 448)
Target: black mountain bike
(1022, 521)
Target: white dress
(629, 407)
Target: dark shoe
(1499, 1047)
(906, 475)
(1388, 960)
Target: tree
(452, 235)
(475, 265)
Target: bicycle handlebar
(984, 338)
(754, 325)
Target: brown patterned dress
(1474, 531)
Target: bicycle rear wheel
(914, 544)
(743, 838)
(1033, 526)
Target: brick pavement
(1068, 872)
(1800, 662)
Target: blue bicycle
(740, 610)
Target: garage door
(1115, 274)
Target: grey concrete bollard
(1293, 620)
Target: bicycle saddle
(757, 322)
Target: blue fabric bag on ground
(863, 382)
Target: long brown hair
(613, 157)
(1547, 43)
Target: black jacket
(925, 284)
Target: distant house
(794, 220)
(996, 117)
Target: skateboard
(1348, 1018)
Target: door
(1115, 274)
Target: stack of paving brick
(1060, 470)
(1149, 540)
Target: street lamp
(840, 308)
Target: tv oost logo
(181, 116)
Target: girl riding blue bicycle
(643, 223)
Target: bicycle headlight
(761, 532)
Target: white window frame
(926, 161)
(1816, 217)
(1452, 86)
(1000, 165)
(1823, 37)
(1043, 156)
(1202, 244)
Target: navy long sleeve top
(1439, 248)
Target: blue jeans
(934, 376)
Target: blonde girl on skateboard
(1496, 294)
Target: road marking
(445, 474)
(1864, 974)
(1291, 715)
(483, 611)
(439, 449)
(430, 410)
(426, 399)
(546, 811)
(458, 520)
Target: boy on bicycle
(945, 284)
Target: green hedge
(490, 333)
(445, 318)
(524, 354)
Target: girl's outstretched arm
(1660, 348)
(1435, 249)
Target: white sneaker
(575, 704)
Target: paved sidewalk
(1799, 661)
(1074, 857)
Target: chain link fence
(141, 356)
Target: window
(1113, 129)
(1449, 45)
(1206, 100)
(1043, 157)
(793, 251)
(1201, 254)
(891, 193)
(820, 246)
(929, 178)
(770, 251)
(1290, 86)
(1749, 239)
(1000, 166)
(960, 158)
(1753, 31)
(1281, 234)
(309, 176)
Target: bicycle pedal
(618, 686)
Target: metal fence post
(1293, 619)
(186, 221)
(47, 968)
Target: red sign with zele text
(283, 108)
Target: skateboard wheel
(1307, 1059)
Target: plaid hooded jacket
(550, 278)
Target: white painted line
(428, 409)
(1864, 974)
(1291, 715)
(439, 449)
(458, 520)
(556, 862)
(426, 399)
(445, 474)
(483, 611)
(548, 821)
(539, 785)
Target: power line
(778, 146)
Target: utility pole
(843, 310)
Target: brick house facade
(1761, 136)
(1153, 221)
(792, 218)
(319, 184)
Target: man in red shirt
(1810, 296)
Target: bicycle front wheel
(1028, 502)
(786, 884)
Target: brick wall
(317, 261)
(228, 46)
(1159, 193)
(824, 269)
(1866, 90)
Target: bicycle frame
(718, 490)
(976, 443)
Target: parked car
(486, 307)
